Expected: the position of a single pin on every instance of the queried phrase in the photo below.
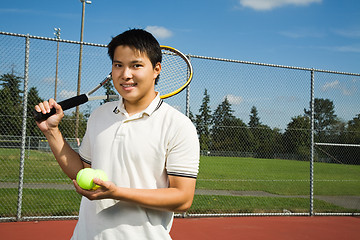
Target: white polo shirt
(135, 152)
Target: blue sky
(323, 34)
(306, 33)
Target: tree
(203, 122)
(297, 136)
(221, 133)
(324, 117)
(67, 125)
(10, 106)
(109, 91)
(350, 155)
(254, 119)
(10, 82)
(33, 99)
(228, 132)
(255, 129)
(353, 130)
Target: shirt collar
(153, 106)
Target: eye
(137, 65)
(118, 65)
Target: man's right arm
(68, 159)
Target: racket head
(176, 72)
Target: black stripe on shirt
(182, 174)
(85, 161)
(159, 104)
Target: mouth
(127, 86)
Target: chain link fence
(275, 140)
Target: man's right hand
(53, 121)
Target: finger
(47, 107)
(37, 108)
(98, 181)
(106, 185)
(40, 107)
(58, 108)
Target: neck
(133, 107)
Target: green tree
(324, 117)
(350, 155)
(255, 129)
(67, 125)
(254, 119)
(221, 132)
(203, 122)
(228, 132)
(268, 141)
(353, 130)
(33, 99)
(10, 106)
(109, 87)
(297, 136)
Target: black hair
(140, 40)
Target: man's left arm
(178, 197)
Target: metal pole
(79, 70)
(80, 64)
(23, 134)
(312, 107)
(57, 34)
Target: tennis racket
(176, 74)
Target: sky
(321, 34)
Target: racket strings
(174, 73)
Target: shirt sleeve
(183, 151)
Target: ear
(157, 70)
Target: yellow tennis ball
(85, 178)
(101, 175)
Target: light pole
(57, 34)
(80, 59)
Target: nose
(126, 73)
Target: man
(149, 150)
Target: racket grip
(65, 105)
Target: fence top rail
(52, 39)
(189, 55)
(273, 65)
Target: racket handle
(65, 105)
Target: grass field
(282, 177)
(287, 182)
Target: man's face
(133, 74)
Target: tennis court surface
(254, 228)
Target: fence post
(23, 134)
(312, 142)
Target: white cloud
(49, 80)
(348, 33)
(336, 85)
(234, 100)
(159, 32)
(64, 94)
(330, 85)
(305, 33)
(265, 5)
(352, 49)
